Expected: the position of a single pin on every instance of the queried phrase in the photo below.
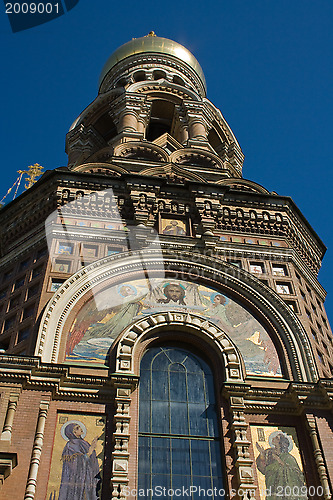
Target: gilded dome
(153, 43)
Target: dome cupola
(151, 58)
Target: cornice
(60, 380)
(274, 397)
(297, 398)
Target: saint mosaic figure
(80, 477)
(283, 476)
(174, 229)
(217, 312)
(174, 294)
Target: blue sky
(268, 67)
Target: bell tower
(152, 105)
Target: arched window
(179, 443)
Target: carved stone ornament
(194, 324)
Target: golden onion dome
(153, 43)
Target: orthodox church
(163, 331)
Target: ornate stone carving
(241, 444)
(121, 436)
(195, 324)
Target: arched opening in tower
(161, 119)
(106, 127)
(216, 137)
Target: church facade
(163, 329)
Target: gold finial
(32, 172)
(151, 33)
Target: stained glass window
(179, 444)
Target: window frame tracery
(213, 439)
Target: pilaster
(121, 436)
(318, 456)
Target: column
(36, 451)
(197, 129)
(7, 428)
(128, 121)
(318, 456)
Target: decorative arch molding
(243, 184)
(93, 167)
(174, 92)
(172, 170)
(130, 339)
(148, 149)
(186, 156)
(104, 155)
(220, 120)
(97, 107)
(242, 286)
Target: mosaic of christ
(105, 316)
